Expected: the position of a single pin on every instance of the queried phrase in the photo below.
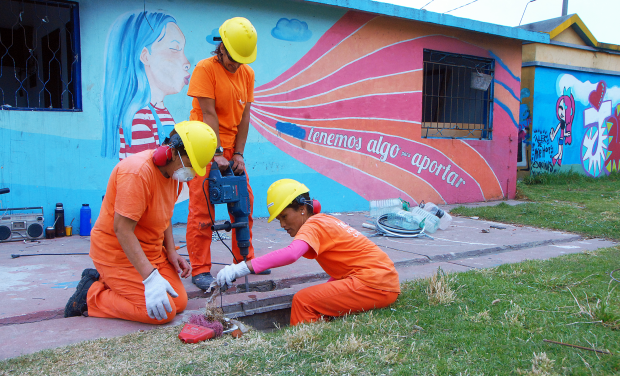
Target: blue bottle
(85, 224)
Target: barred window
(457, 96)
(39, 55)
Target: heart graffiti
(596, 97)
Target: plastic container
(405, 219)
(444, 218)
(380, 207)
(431, 223)
(195, 333)
(85, 220)
(59, 220)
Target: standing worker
(132, 247)
(362, 276)
(223, 90)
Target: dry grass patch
(348, 345)
(515, 315)
(439, 290)
(304, 337)
(483, 316)
(541, 366)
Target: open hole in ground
(268, 321)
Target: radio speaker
(22, 226)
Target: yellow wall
(570, 36)
(570, 56)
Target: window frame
(452, 125)
(75, 70)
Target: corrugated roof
(437, 18)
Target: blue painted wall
(593, 148)
(50, 157)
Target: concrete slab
(34, 289)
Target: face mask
(184, 174)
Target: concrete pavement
(35, 289)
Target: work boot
(203, 280)
(76, 306)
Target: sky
(599, 16)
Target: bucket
(480, 81)
(50, 232)
(68, 230)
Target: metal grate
(454, 105)
(39, 55)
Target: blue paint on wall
(505, 108)
(214, 33)
(503, 65)
(291, 129)
(292, 30)
(42, 169)
(507, 88)
(547, 89)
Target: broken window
(39, 55)
(457, 96)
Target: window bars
(457, 96)
(39, 55)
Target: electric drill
(228, 188)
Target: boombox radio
(21, 226)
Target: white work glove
(156, 290)
(231, 272)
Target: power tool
(228, 188)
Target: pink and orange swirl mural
(351, 109)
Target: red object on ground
(237, 333)
(194, 333)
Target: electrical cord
(460, 7)
(611, 274)
(213, 221)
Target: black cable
(82, 254)
(147, 20)
(526, 4)
(426, 4)
(612, 276)
(213, 221)
(460, 6)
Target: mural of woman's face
(166, 66)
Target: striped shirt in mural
(144, 131)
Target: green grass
(486, 322)
(568, 202)
(494, 326)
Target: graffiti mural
(144, 62)
(565, 112)
(588, 110)
(346, 113)
(525, 130)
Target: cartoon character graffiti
(145, 61)
(565, 112)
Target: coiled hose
(386, 229)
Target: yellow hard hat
(280, 195)
(239, 37)
(199, 141)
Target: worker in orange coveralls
(223, 90)
(132, 247)
(362, 276)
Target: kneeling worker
(362, 276)
(137, 275)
